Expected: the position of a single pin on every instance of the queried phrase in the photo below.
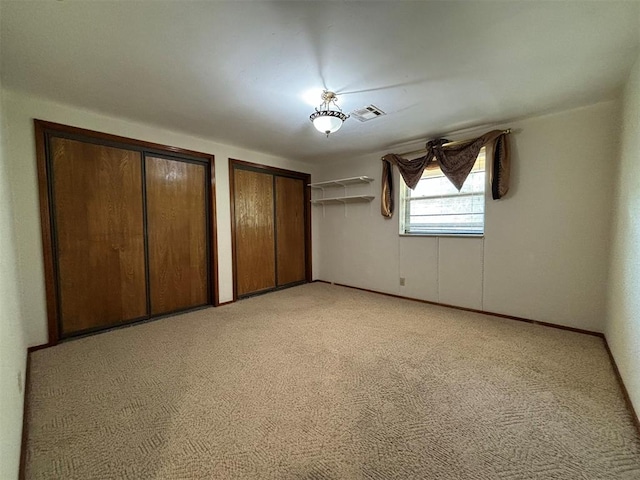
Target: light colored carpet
(325, 382)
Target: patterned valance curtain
(455, 161)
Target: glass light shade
(327, 123)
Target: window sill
(444, 235)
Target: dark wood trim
(232, 205)
(145, 225)
(483, 312)
(226, 303)
(268, 169)
(306, 178)
(258, 293)
(57, 127)
(634, 415)
(25, 415)
(47, 240)
(132, 323)
(291, 284)
(213, 232)
(106, 328)
(40, 347)
(275, 230)
(42, 130)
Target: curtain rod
(457, 142)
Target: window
(436, 207)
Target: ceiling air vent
(367, 113)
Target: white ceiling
(237, 72)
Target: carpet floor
(326, 382)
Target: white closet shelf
(349, 199)
(343, 182)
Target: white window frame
(405, 201)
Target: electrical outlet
(402, 281)
(19, 381)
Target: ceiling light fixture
(328, 117)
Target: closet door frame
(44, 131)
(281, 172)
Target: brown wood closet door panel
(177, 234)
(254, 231)
(290, 230)
(97, 203)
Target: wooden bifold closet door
(127, 229)
(177, 233)
(270, 226)
(255, 234)
(97, 192)
(290, 228)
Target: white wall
(623, 312)
(544, 252)
(20, 110)
(13, 350)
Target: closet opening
(128, 229)
(270, 228)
